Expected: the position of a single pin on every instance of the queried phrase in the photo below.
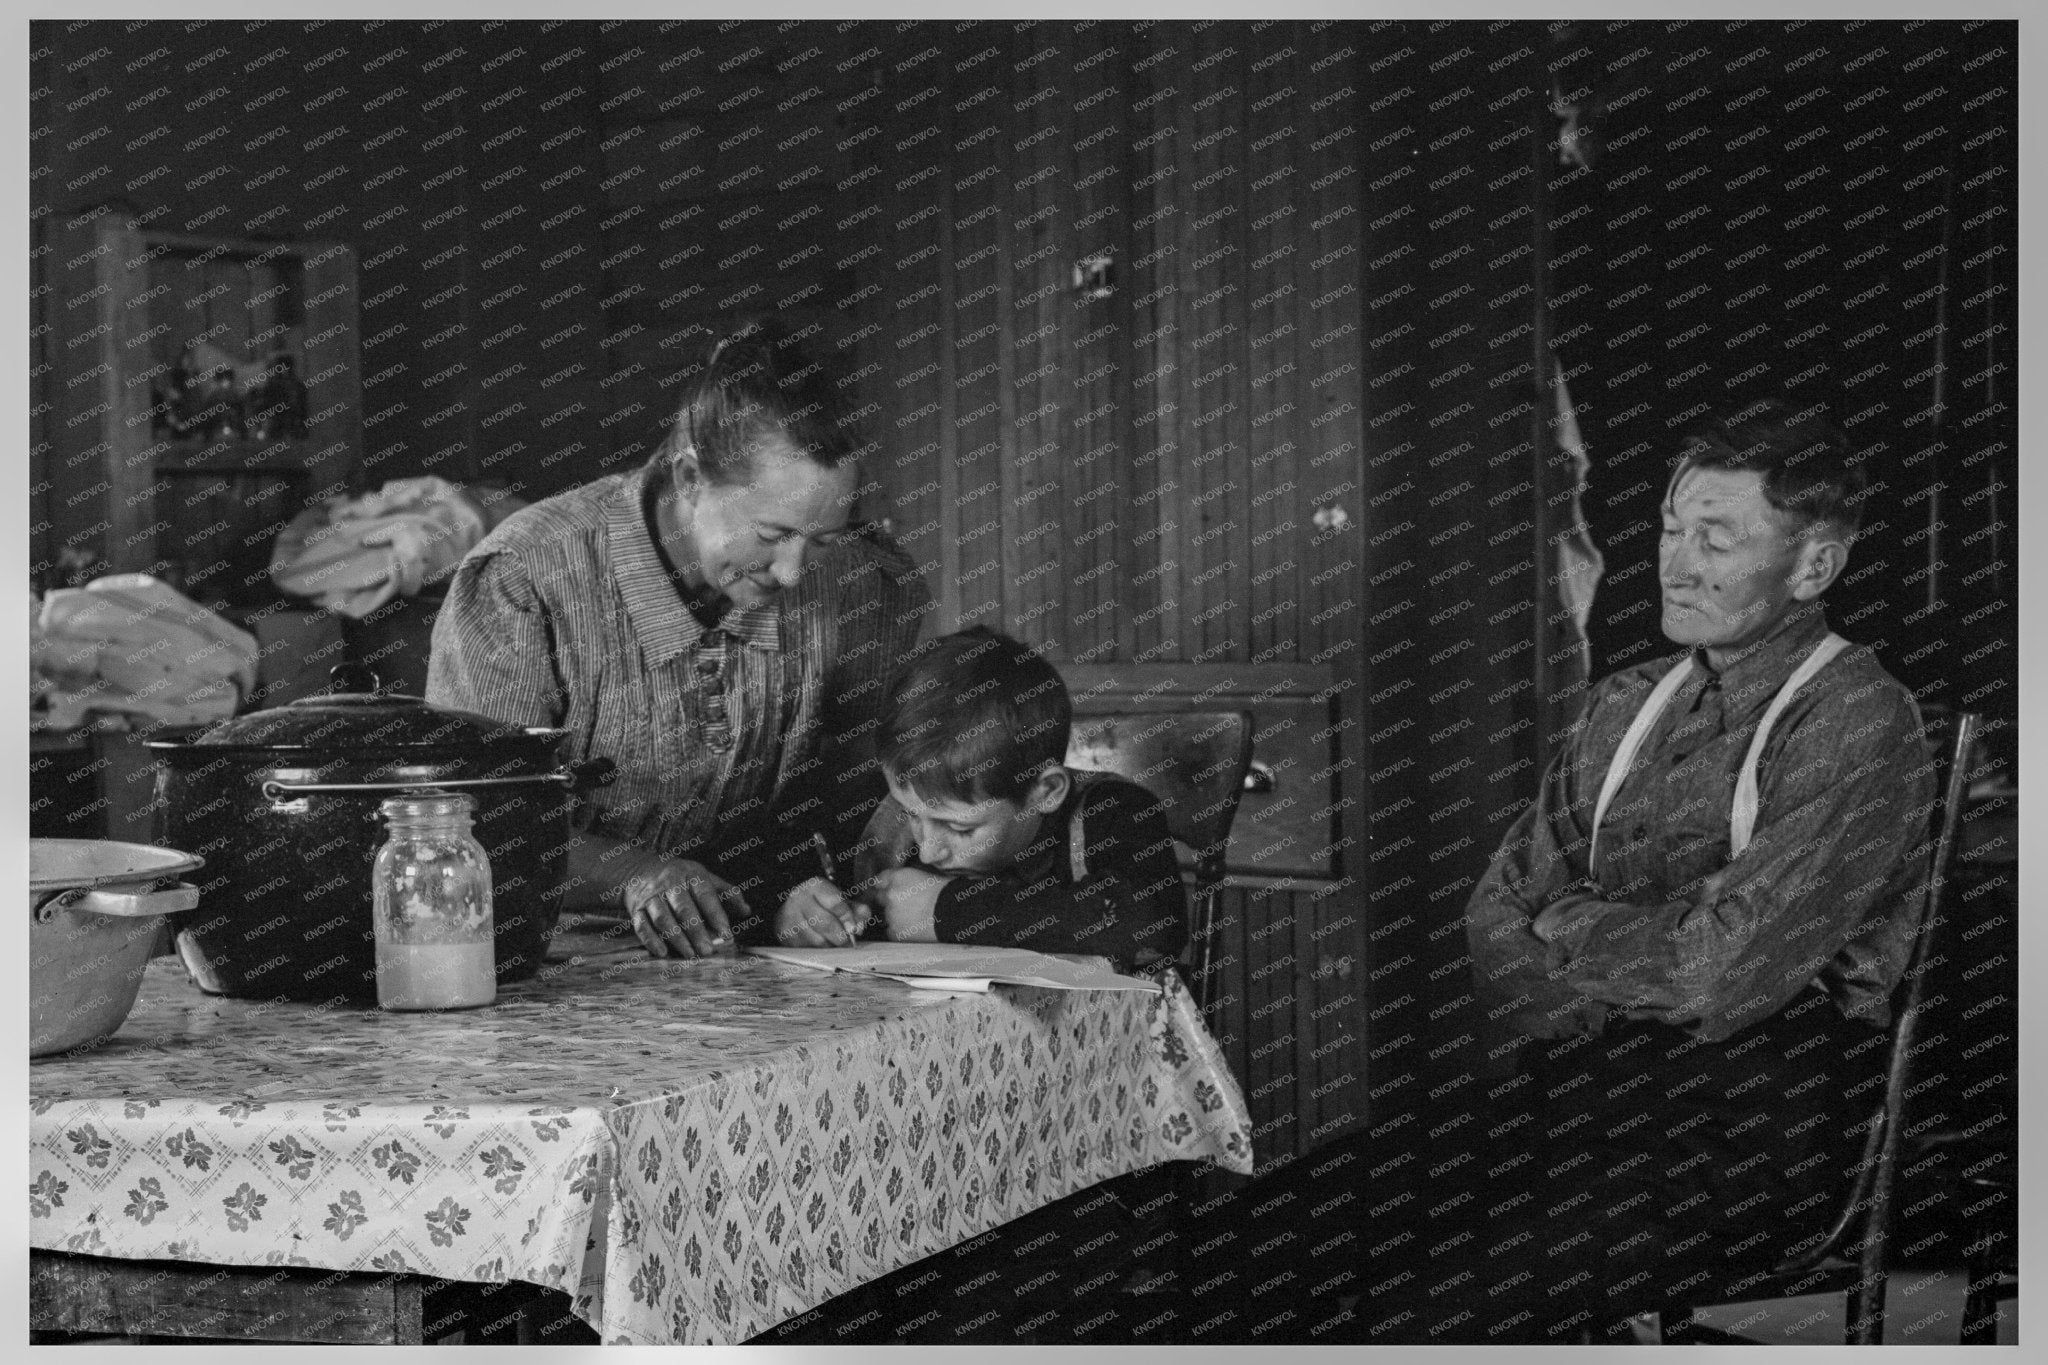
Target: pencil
(830, 870)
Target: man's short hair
(762, 381)
(974, 716)
(1810, 475)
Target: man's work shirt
(1666, 926)
(567, 616)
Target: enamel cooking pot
(285, 806)
(94, 907)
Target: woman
(713, 624)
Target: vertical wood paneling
(542, 339)
(1328, 470)
(1151, 628)
(1272, 388)
(44, 498)
(1040, 562)
(334, 402)
(1331, 472)
(1223, 356)
(977, 496)
(1212, 497)
(1265, 1057)
(267, 311)
(974, 333)
(1315, 983)
(125, 542)
(926, 197)
(1096, 129)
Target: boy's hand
(817, 915)
(909, 900)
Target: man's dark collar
(1756, 672)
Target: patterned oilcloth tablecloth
(694, 1151)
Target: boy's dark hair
(974, 716)
(1810, 474)
(761, 380)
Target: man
(711, 624)
(1691, 935)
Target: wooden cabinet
(117, 306)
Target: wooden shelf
(46, 741)
(124, 304)
(239, 248)
(235, 455)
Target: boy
(986, 836)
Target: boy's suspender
(1077, 841)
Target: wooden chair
(1991, 1262)
(1850, 1257)
(1196, 763)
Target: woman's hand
(909, 901)
(679, 907)
(818, 915)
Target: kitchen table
(692, 1151)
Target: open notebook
(962, 966)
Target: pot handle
(352, 677)
(124, 904)
(284, 791)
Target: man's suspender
(1742, 815)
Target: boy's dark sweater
(1127, 904)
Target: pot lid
(57, 863)
(354, 713)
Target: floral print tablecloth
(693, 1151)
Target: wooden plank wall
(370, 133)
(1468, 678)
(734, 161)
(1134, 479)
(1825, 260)
(525, 256)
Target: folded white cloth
(352, 555)
(132, 645)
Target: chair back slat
(1862, 1228)
(1865, 1319)
(1194, 762)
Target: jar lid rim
(428, 799)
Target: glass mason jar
(432, 904)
